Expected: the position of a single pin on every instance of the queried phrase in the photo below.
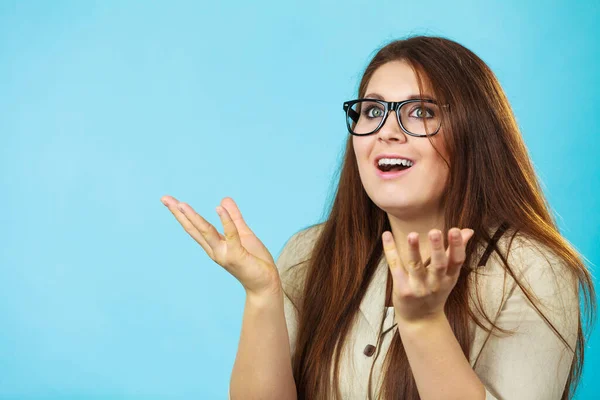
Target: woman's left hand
(419, 292)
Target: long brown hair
(493, 184)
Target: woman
(388, 298)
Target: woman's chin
(398, 208)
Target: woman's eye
(419, 112)
(374, 112)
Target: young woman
(439, 273)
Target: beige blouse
(531, 364)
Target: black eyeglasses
(417, 117)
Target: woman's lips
(392, 174)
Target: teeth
(395, 161)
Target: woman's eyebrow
(410, 97)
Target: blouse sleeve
(532, 363)
(295, 251)
(291, 266)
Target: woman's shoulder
(527, 255)
(298, 247)
(293, 258)
(525, 251)
(295, 253)
(535, 265)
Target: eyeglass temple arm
(353, 114)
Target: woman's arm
(438, 364)
(532, 363)
(263, 366)
(440, 369)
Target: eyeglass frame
(389, 105)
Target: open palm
(238, 250)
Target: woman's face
(417, 191)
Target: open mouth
(393, 164)
(393, 168)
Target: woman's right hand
(239, 251)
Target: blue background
(107, 106)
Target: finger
(457, 239)
(439, 259)
(415, 265)
(391, 254)
(208, 233)
(230, 205)
(171, 203)
(232, 236)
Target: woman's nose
(391, 129)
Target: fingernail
(413, 238)
(435, 235)
(455, 234)
(164, 202)
(219, 211)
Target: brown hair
(493, 184)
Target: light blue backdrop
(107, 106)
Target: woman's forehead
(396, 80)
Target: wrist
(265, 298)
(424, 322)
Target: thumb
(229, 204)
